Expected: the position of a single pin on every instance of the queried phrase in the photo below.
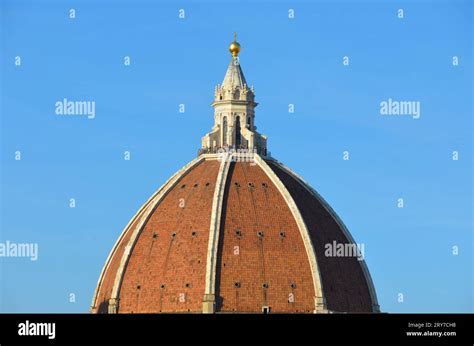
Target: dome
(234, 231)
(243, 235)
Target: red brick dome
(234, 231)
(224, 236)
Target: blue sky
(289, 61)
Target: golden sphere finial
(234, 46)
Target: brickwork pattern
(167, 266)
(261, 257)
(344, 283)
(105, 289)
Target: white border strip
(214, 228)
